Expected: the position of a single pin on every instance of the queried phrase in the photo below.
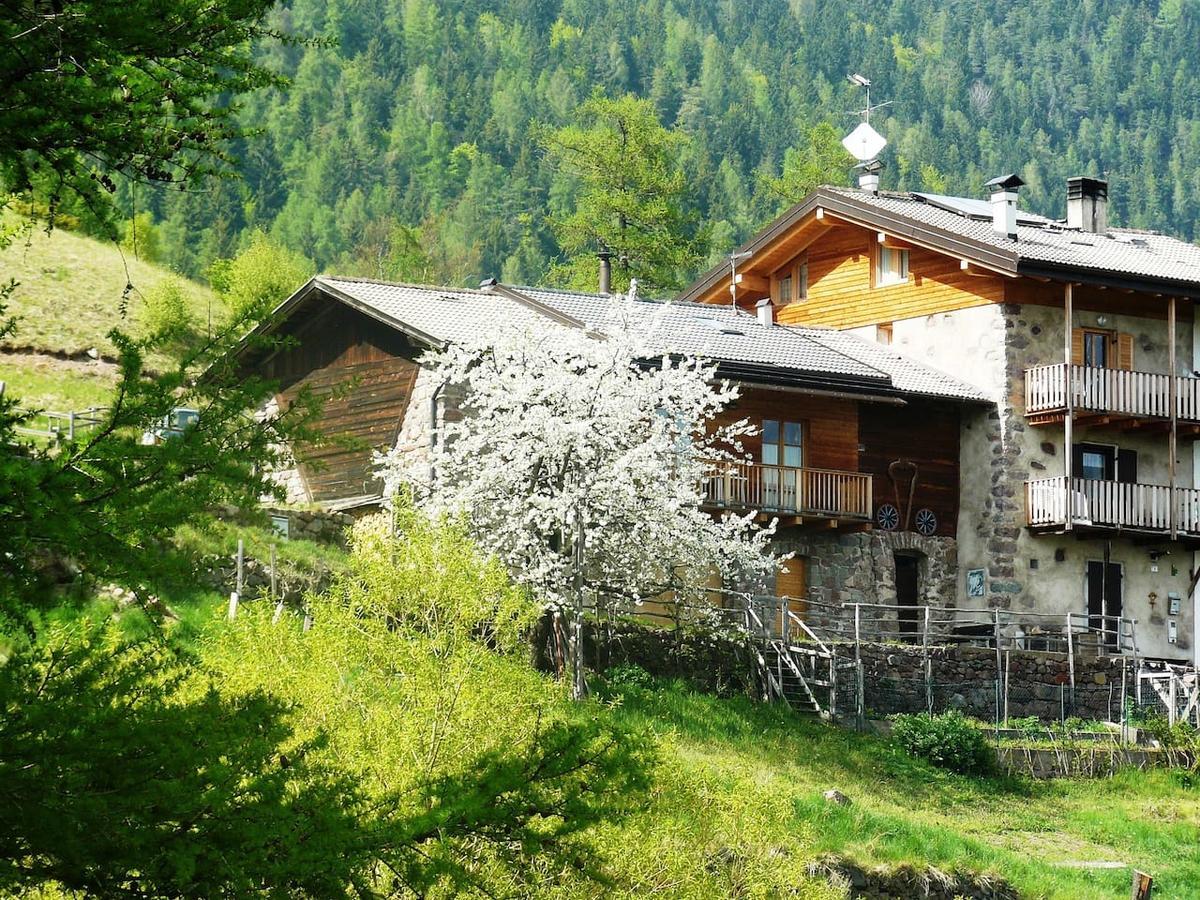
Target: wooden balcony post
(1069, 403)
(1174, 401)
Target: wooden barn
(851, 433)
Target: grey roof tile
(1118, 251)
(703, 329)
(718, 333)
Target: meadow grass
(44, 383)
(72, 290)
(1031, 834)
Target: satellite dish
(864, 142)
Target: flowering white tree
(580, 461)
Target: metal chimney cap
(487, 284)
(1005, 182)
(765, 301)
(1084, 186)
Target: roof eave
(846, 209)
(1065, 272)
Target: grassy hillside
(72, 291)
(736, 806)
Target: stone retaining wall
(965, 678)
(709, 662)
(314, 525)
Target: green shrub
(628, 677)
(166, 310)
(949, 741)
(141, 238)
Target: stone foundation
(965, 678)
(861, 568)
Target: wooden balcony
(788, 491)
(1111, 505)
(1130, 397)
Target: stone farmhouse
(962, 405)
(1079, 488)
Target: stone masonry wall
(965, 678)
(860, 568)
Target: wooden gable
(364, 372)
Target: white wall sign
(975, 582)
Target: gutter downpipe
(434, 402)
(1068, 390)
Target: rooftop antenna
(864, 143)
(733, 261)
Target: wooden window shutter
(1127, 466)
(1125, 352)
(1077, 346)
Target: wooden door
(908, 593)
(791, 581)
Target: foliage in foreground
(589, 456)
(124, 774)
(949, 740)
(110, 502)
(392, 750)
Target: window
(802, 291)
(892, 266)
(883, 333)
(782, 445)
(1095, 462)
(785, 290)
(1095, 348)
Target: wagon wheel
(887, 517)
(926, 522)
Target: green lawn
(71, 292)
(42, 382)
(1035, 835)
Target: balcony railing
(1112, 504)
(823, 493)
(1116, 391)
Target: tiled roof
(445, 315)
(1118, 251)
(718, 333)
(722, 333)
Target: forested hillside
(405, 145)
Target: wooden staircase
(799, 674)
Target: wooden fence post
(1142, 885)
(1071, 658)
(241, 559)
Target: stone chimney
(1087, 204)
(1004, 204)
(764, 311)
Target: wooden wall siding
(364, 372)
(925, 432)
(840, 293)
(831, 425)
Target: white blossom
(567, 433)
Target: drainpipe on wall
(433, 432)
(1195, 483)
